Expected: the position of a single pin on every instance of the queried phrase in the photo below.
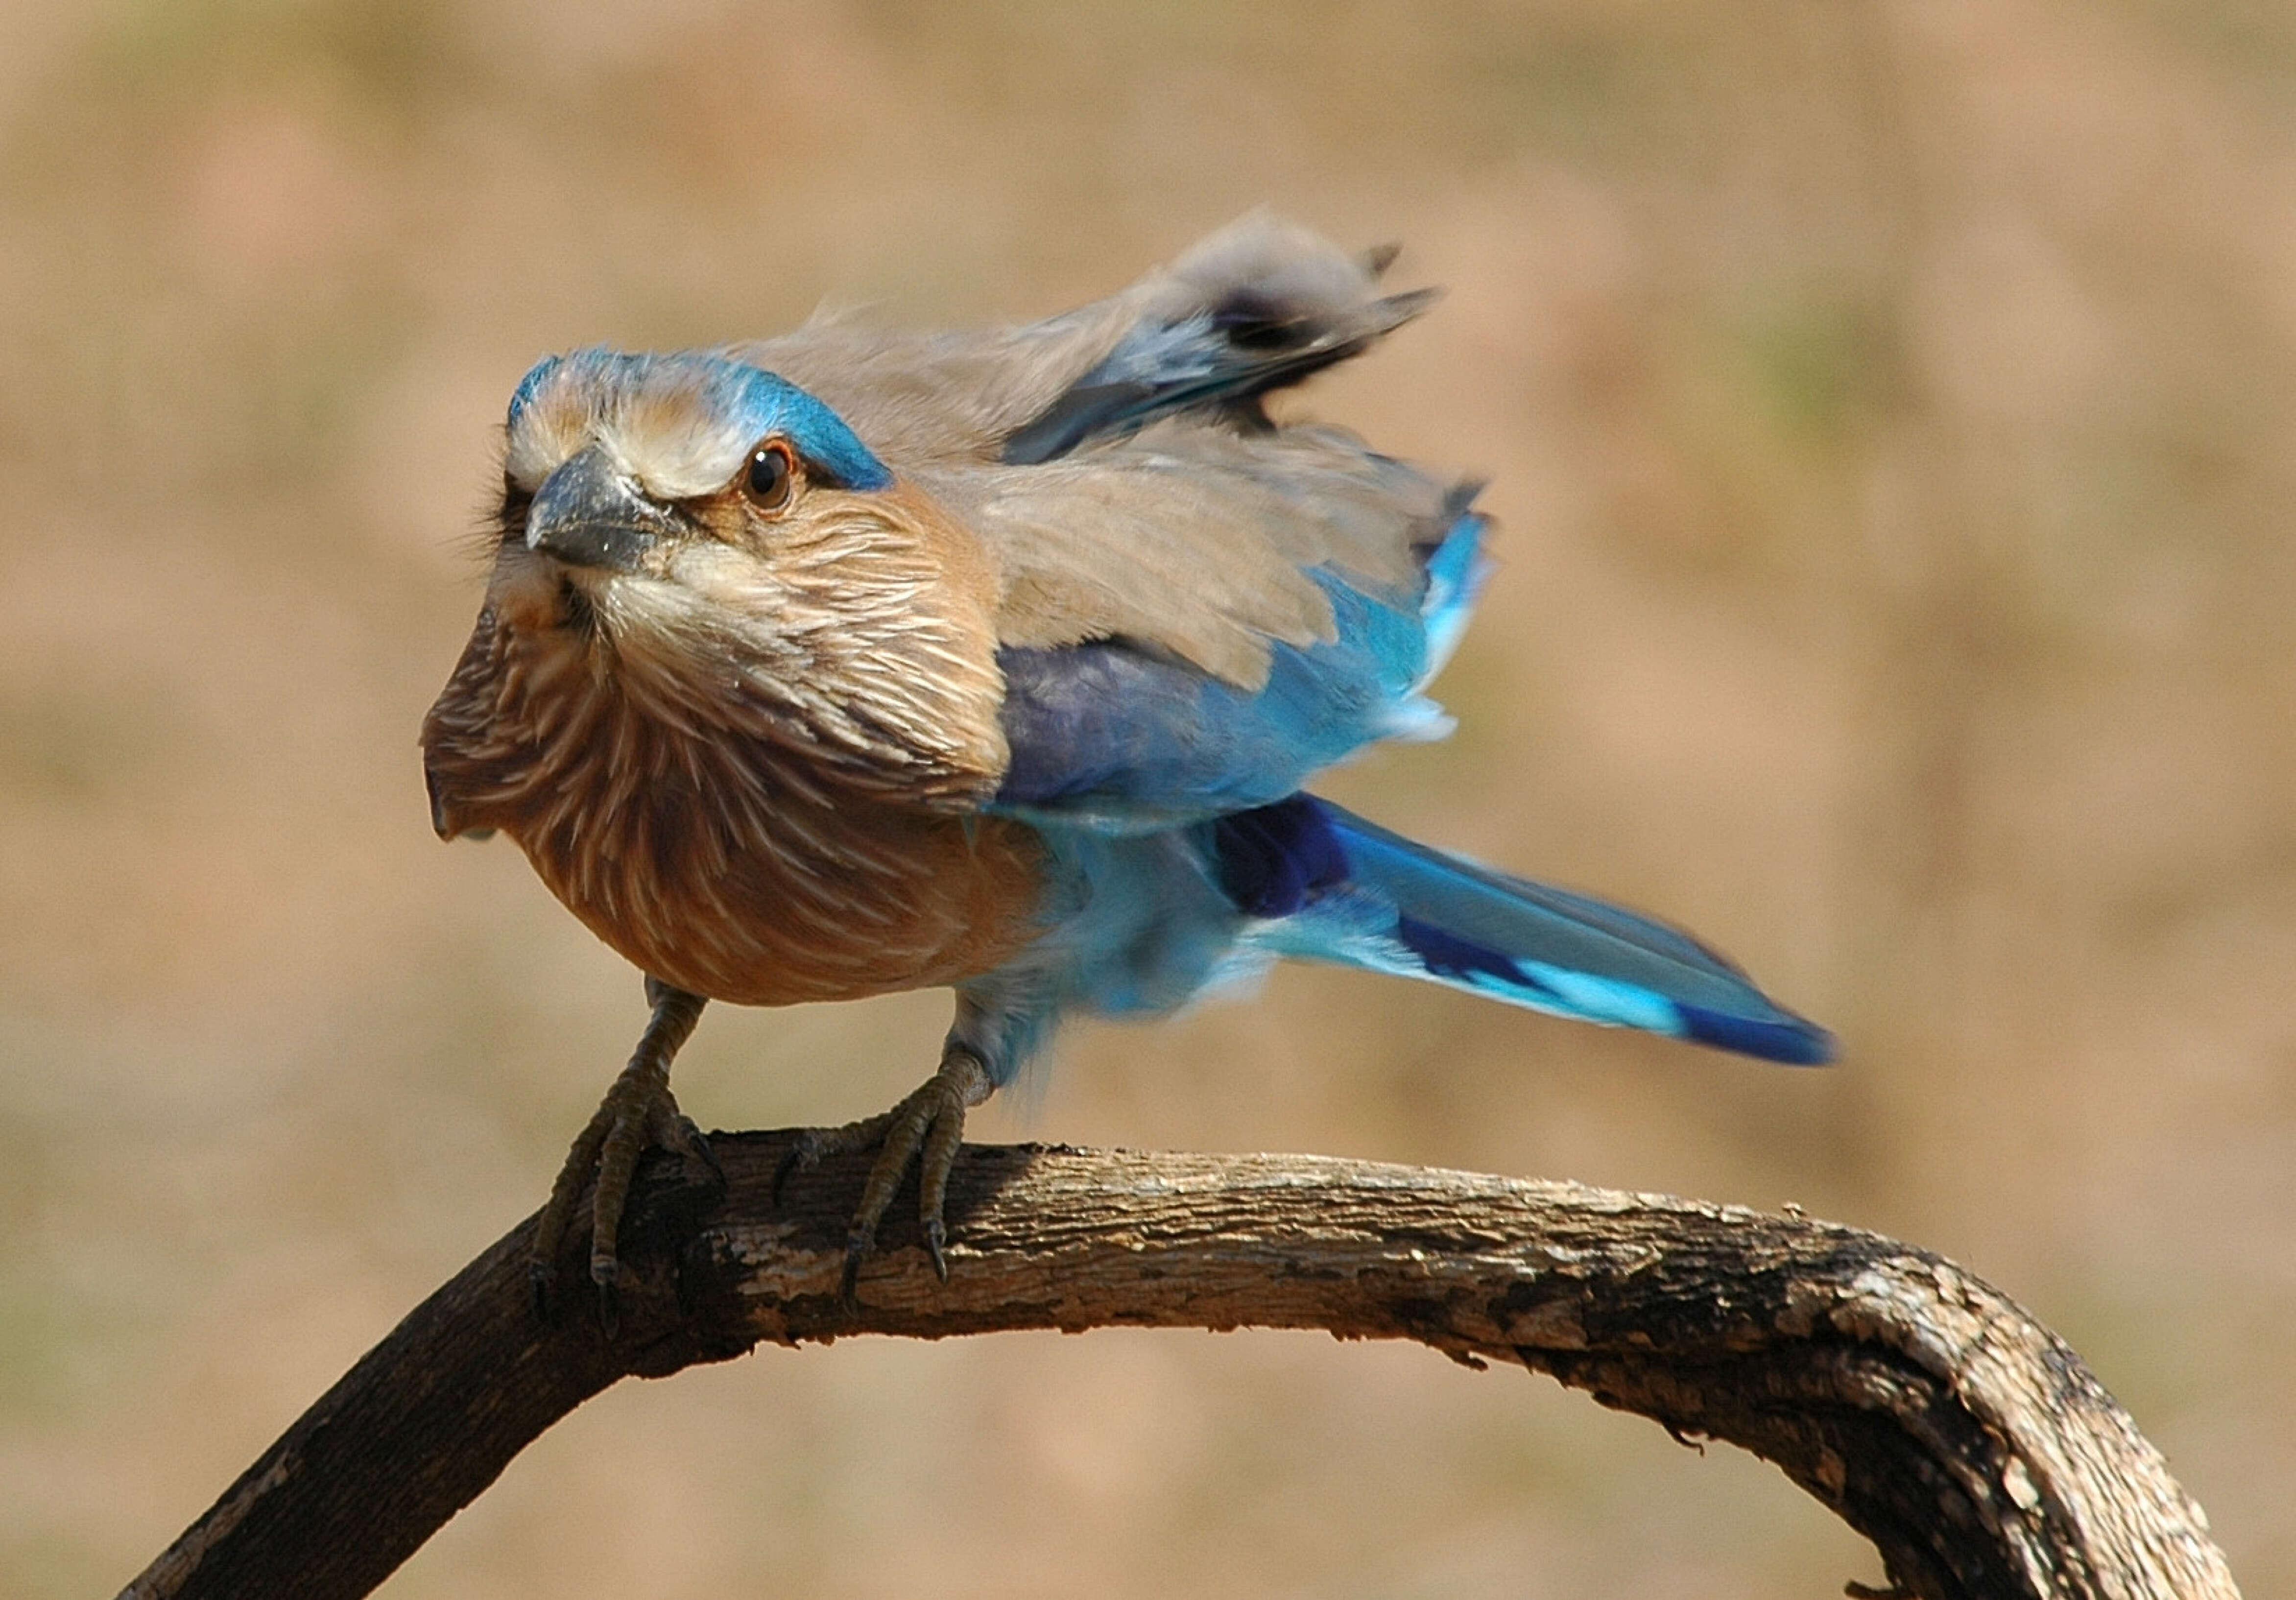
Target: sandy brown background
(1890, 411)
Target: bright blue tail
(1326, 885)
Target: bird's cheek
(728, 582)
(662, 622)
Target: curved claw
(608, 1276)
(694, 1144)
(794, 1157)
(857, 1246)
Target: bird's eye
(771, 478)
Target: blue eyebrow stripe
(819, 434)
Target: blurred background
(1888, 410)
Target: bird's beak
(587, 514)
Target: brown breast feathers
(756, 772)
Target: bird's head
(624, 473)
(700, 543)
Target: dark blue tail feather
(1327, 885)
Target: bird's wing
(1259, 306)
(1197, 608)
(1116, 460)
(1204, 544)
(1122, 733)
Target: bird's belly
(862, 900)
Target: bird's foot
(638, 1114)
(930, 1121)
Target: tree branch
(1922, 1406)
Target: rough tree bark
(1922, 1406)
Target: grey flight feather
(1116, 461)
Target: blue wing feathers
(1111, 734)
(1328, 885)
(1457, 569)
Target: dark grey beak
(587, 514)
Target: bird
(860, 659)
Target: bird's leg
(932, 1117)
(637, 1113)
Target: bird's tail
(1321, 884)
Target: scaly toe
(607, 1277)
(687, 1139)
(858, 1243)
(817, 1145)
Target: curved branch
(1924, 1408)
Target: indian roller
(855, 661)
